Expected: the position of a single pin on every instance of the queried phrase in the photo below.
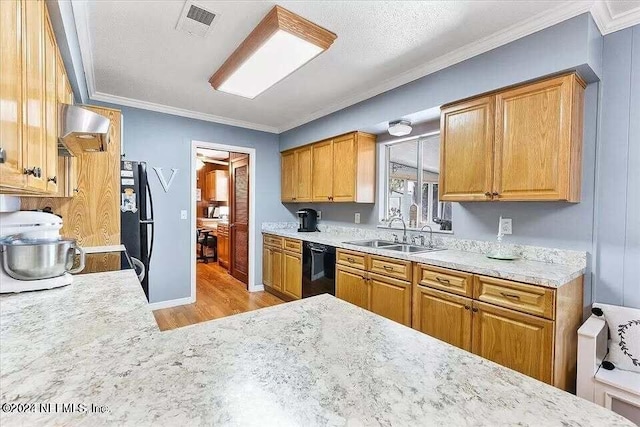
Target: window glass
(403, 181)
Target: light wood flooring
(218, 294)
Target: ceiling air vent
(195, 19)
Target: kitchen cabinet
(340, 169)
(378, 284)
(292, 274)
(442, 315)
(282, 266)
(528, 328)
(217, 186)
(34, 81)
(517, 144)
(223, 244)
(272, 262)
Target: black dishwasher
(318, 269)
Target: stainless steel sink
(372, 243)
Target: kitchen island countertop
(319, 361)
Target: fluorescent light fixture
(279, 45)
(400, 128)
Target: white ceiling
(133, 55)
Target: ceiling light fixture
(400, 128)
(280, 44)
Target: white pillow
(624, 335)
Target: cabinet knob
(53, 179)
(475, 310)
(29, 171)
(488, 194)
(495, 194)
(467, 307)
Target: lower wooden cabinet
(382, 294)
(516, 340)
(272, 267)
(223, 245)
(292, 274)
(442, 315)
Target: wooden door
(442, 315)
(267, 257)
(322, 171)
(50, 171)
(533, 141)
(11, 173)
(390, 298)
(288, 183)
(516, 340)
(344, 169)
(466, 150)
(303, 174)
(352, 286)
(239, 220)
(292, 274)
(276, 269)
(33, 134)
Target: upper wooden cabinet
(518, 144)
(33, 83)
(340, 169)
(217, 185)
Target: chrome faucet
(430, 236)
(404, 226)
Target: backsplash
(533, 253)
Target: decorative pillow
(624, 335)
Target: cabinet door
(442, 315)
(391, 298)
(344, 169)
(322, 171)
(292, 274)
(50, 172)
(352, 286)
(210, 186)
(303, 174)
(266, 265)
(221, 187)
(466, 150)
(516, 340)
(533, 141)
(11, 173)
(276, 269)
(288, 183)
(33, 134)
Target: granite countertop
(318, 361)
(526, 271)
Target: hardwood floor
(218, 294)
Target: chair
(617, 390)
(206, 241)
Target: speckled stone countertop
(319, 361)
(521, 270)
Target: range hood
(81, 130)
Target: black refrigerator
(136, 215)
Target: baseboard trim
(171, 303)
(257, 288)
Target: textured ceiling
(137, 54)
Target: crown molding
(599, 9)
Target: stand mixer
(34, 255)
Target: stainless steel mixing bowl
(34, 259)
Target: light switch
(506, 226)
(356, 218)
(319, 215)
(183, 214)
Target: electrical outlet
(506, 226)
(183, 214)
(319, 215)
(356, 218)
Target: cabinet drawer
(293, 245)
(390, 267)
(529, 299)
(351, 259)
(272, 240)
(453, 281)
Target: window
(412, 170)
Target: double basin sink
(392, 246)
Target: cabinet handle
(511, 296)
(467, 307)
(475, 310)
(442, 280)
(488, 194)
(388, 268)
(351, 260)
(31, 171)
(495, 194)
(53, 179)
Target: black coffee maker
(308, 220)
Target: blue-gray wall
(617, 238)
(164, 140)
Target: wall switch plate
(506, 226)
(319, 215)
(356, 218)
(183, 214)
